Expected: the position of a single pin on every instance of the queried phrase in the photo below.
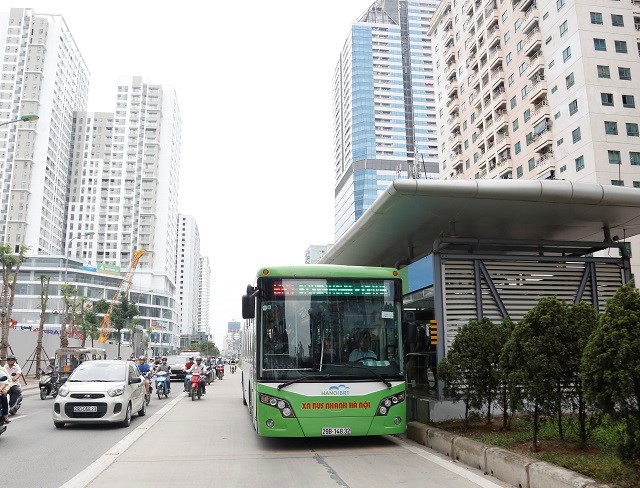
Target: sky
(254, 85)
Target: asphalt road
(48, 457)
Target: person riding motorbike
(164, 367)
(4, 390)
(220, 366)
(188, 365)
(201, 369)
(14, 373)
(232, 365)
(145, 371)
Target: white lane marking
(92, 471)
(447, 464)
(17, 417)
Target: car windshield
(177, 360)
(100, 371)
(325, 327)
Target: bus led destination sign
(334, 288)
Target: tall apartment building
(43, 72)
(384, 105)
(538, 90)
(188, 273)
(204, 296)
(315, 252)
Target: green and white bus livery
(322, 351)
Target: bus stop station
(469, 249)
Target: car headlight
(116, 391)
(63, 391)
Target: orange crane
(105, 328)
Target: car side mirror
(135, 379)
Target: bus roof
(326, 271)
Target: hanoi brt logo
(337, 390)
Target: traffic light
(433, 332)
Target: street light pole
(23, 118)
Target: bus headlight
(282, 405)
(388, 402)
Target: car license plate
(336, 431)
(85, 408)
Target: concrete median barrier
(508, 466)
(417, 432)
(441, 441)
(470, 452)
(546, 475)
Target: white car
(101, 391)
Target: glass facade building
(384, 106)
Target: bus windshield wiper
(301, 378)
(358, 366)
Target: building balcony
(447, 21)
(453, 120)
(525, 4)
(533, 42)
(539, 111)
(502, 141)
(530, 17)
(451, 88)
(453, 106)
(537, 90)
(544, 163)
(504, 158)
(456, 159)
(455, 138)
(499, 99)
(500, 120)
(454, 125)
(635, 5)
(536, 64)
(467, 8)
(450, 55)
(543, 141)
(491, 14)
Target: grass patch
(599, 461)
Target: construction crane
(125, 284)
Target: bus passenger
(364, 351)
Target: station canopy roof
(410, 215)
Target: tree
(44, 298)
(207, 348)
(582, 321)
(611, 366)
(121, 317)
(69, 294)
(533, 355)
(86, 321)
(9, 261)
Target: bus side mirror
(248, 307)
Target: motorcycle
(2, 426)
(162, 384)
(220, 371)
(48, 386)
(195, 389)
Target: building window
(513, 102)
(579, 163)
(624, 73)
(603, 72)
(529, 138)
(519, 46)
(517, 147)
(520, 172)
(511, 79)
(628, 101)
(563, 168)
(508, 58)
(559, 4)
(634, 158)
(507, 36)
(636, 184)
(614, 157)
(621, 46)
(617, 20)
(554, 89)
(532, 164)
(516, 125)
(576, 135)
(560, 141)
(596, 18)
(607, 99)
(527, 115)
(617, 182)
(521, 68)
(524, 92)
(551, 64)
(610, 128)
(632, 130)
(505, 15)
(556, 115)
(570, 80)
(599, 44)
(573, 107)
(517, 24)
(566, 54)
(563, 28)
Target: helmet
(190, 358)
(141, 358)
(11, 356)
(198, 358)
(164, 358)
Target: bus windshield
(337, 327)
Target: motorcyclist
(200, 368)
(4, 390)
(186, 368)
(164, 367)
(232, 365)
(145, 371)
(220, 364)
(14, 373)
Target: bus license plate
(86, 408)
(336, 431)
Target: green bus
(322, 351)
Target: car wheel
(59, 425)
(127, 418)
(143, 411)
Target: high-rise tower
(383, 100)
(204, 296)
(44, 73)
(188, 272)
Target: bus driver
(364, 351)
